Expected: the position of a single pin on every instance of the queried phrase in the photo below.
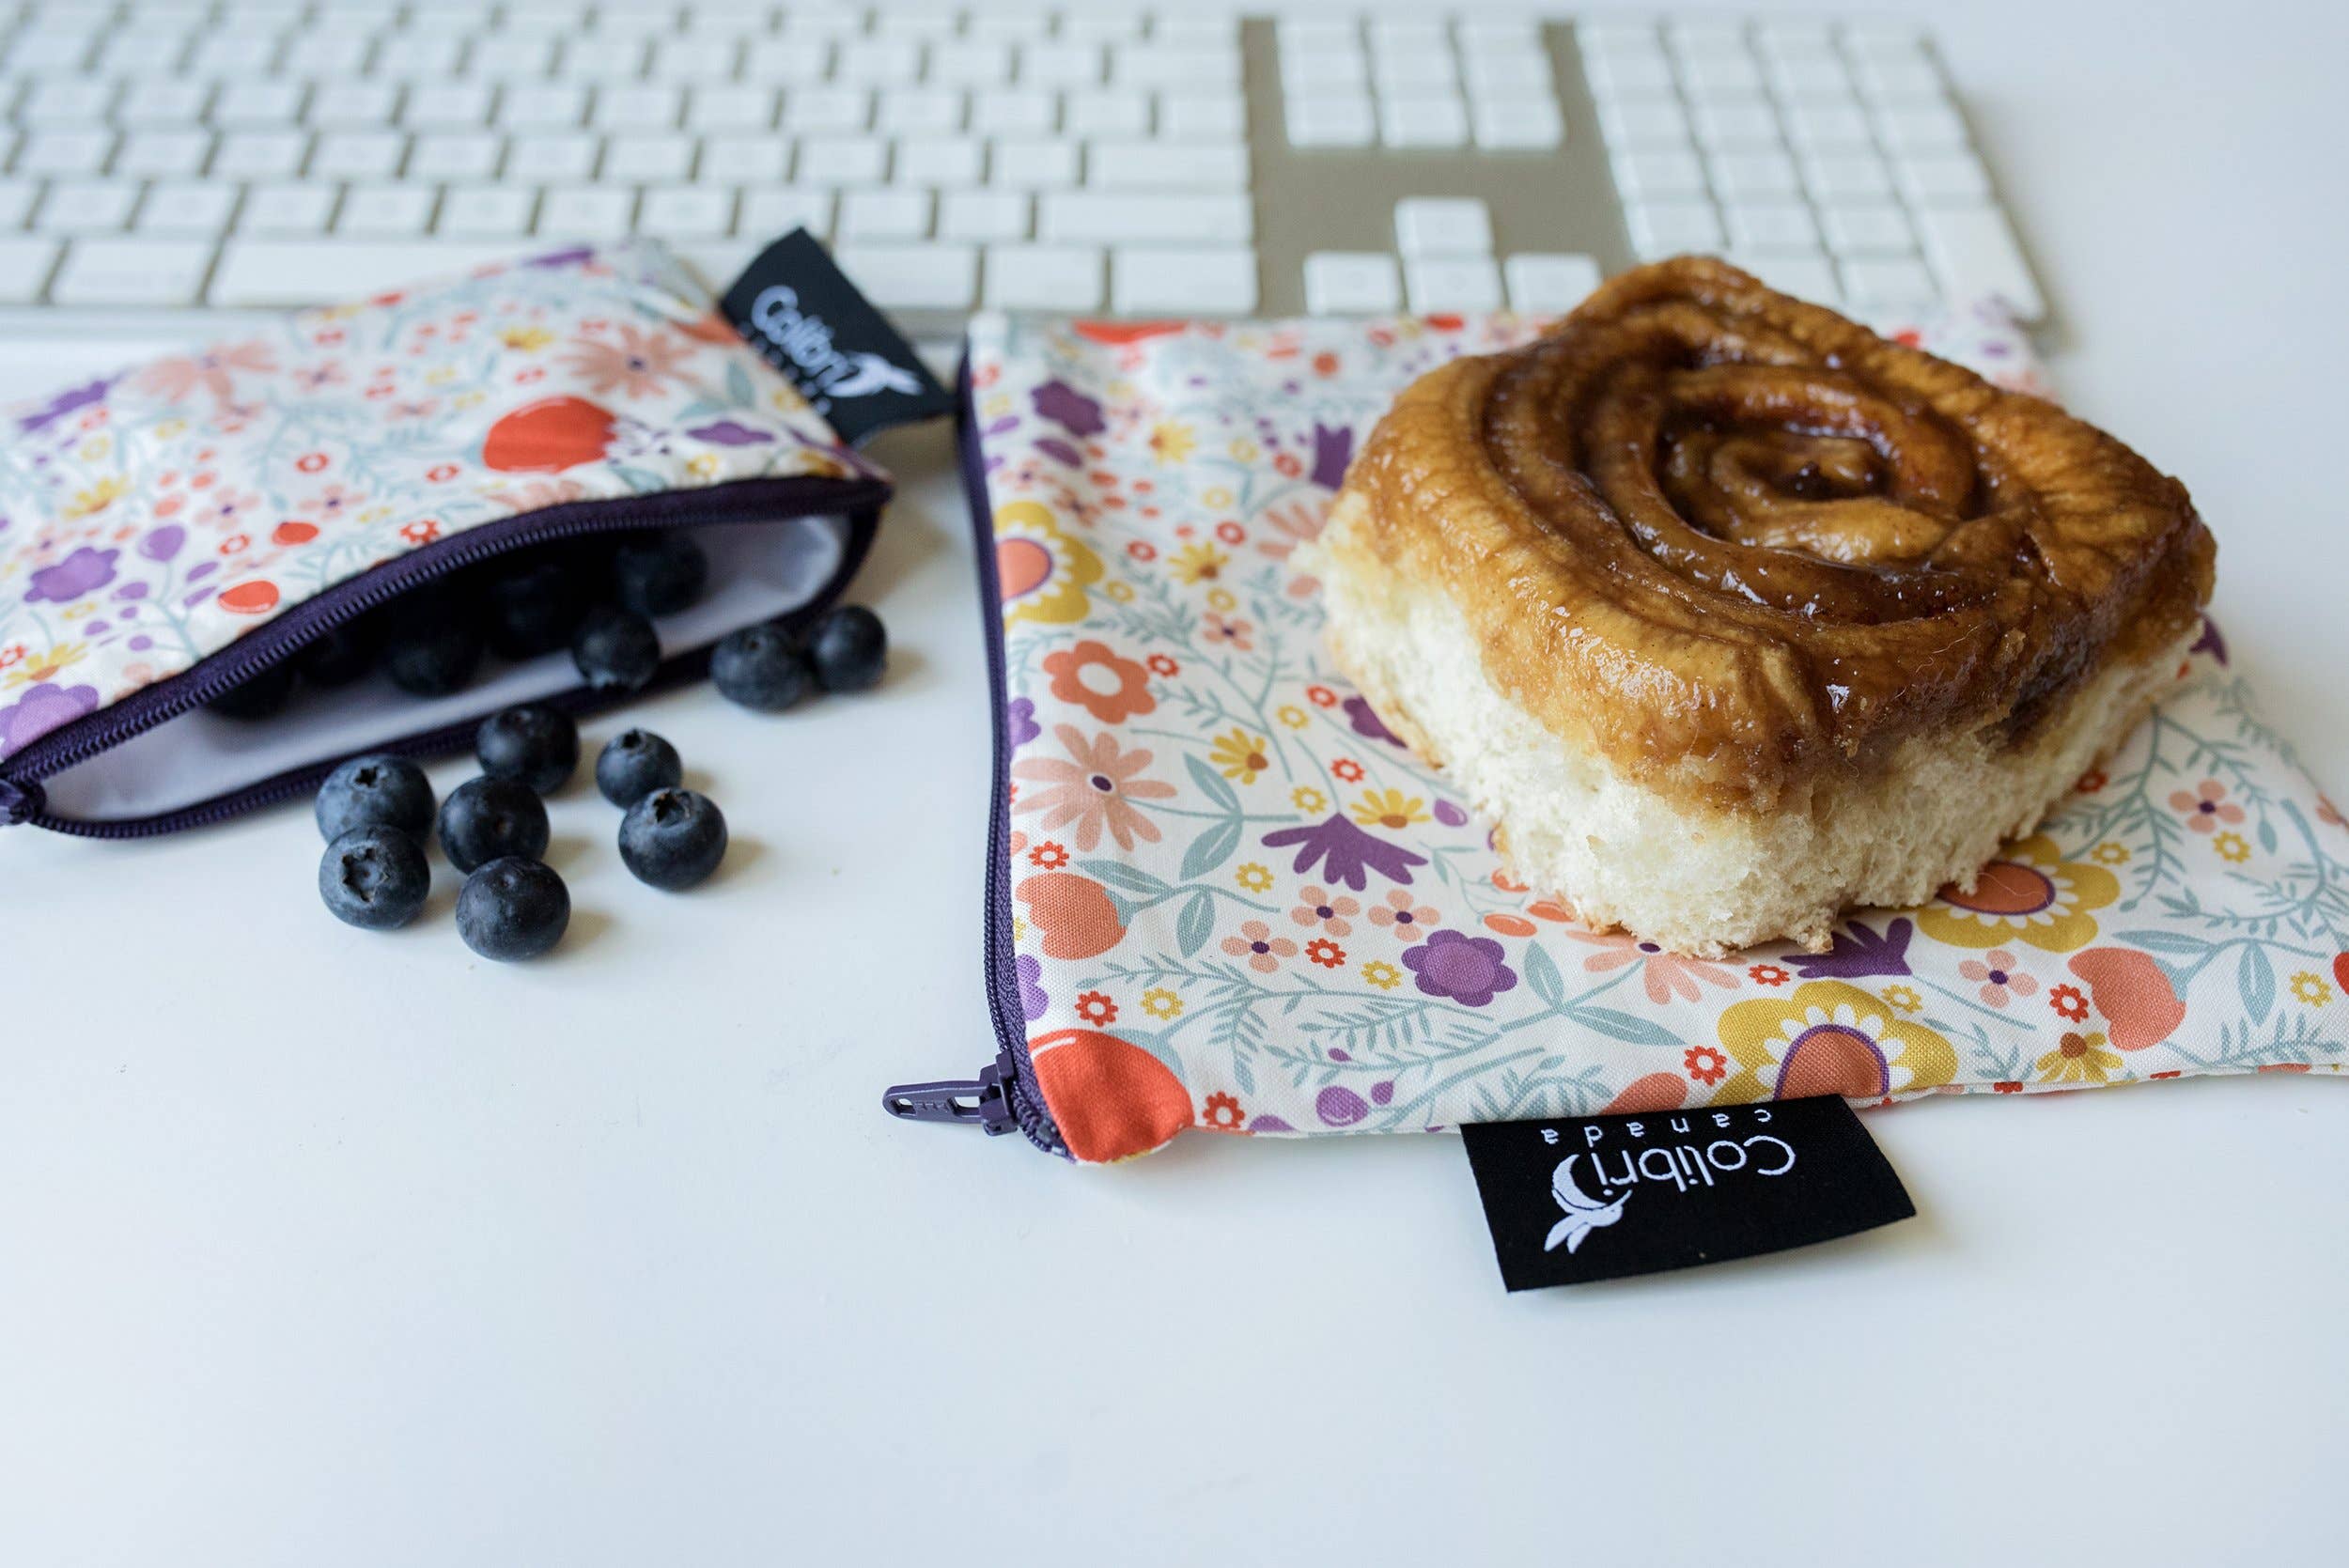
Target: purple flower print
(1019, 725)
(1346, 853)
(39, 710)
(1449, 814)
(727, 432)
(64, 403)
(129, 590)
(2210, 642)
(573, 255)
(1466, 969)
(1068, 408)
(84, 571)
(1340, 1106)
(1367, 722)
(1269, 1124)
(1859, 952)
(1060, 451)
(1033, 1001)
(1333, 451)
(161, 544)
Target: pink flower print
(1665, 975)
(1223, 628)
(331, 505)
(1996, 974)
(2207, 807)
(1285, 528)
(636, 367)
(214, 370)
(1408, 921)
(1316, 906)
(1260, 947)
(231, 510)
(317, 378)
(418, 409)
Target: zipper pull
(983, 1101)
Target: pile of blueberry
(596, 597)
(377, 812)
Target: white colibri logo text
(826, 373)
(1684, 1162)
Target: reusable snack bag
(1222, 894)
(168, 533)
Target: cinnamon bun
(1735, 615)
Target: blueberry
(260, 695)
(431, 644)
(760, 667)
(374, 877)
(635, 763)
(673, 838)
(659, 574)
(534, 744)
(513, 908)
(849, 649)
(615, 649)
(376, 791)
(339, 655)
(532, 608)
(485, 819)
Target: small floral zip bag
(1222, 895)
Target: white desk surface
(324, 1247)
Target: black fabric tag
(1598, 1197)
(808, 320)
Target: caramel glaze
(1739, 543)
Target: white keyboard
(164, 157)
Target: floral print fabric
(1242, 904)
(150, 519)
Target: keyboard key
(1032, 163)
(1346, 121)
(64, 152)
(1889, 78)
(1509, 76)
(463, 156)
(1662, 229)
(1776, 226)
(1185, 117)
(1511, 124)
(836, 161)
(283, 273)
(1452, 283)
(1643, 123)
(1710, 76)
(1059, 278)
(983, 215)
(717, 108)
(548, 159)
(1166, 167)
(1895, 282)
(240, 104)
(162, 154)
(186, 207)
(1660, 173)
(647, 160)
(133, 273)
(637, 108)
(828, 111)
(913, 277)
(1442, 226)
(1801, 76)
(445, 107)
(1186, 280)
(948, 161)
(919, 111)
(1628, 75)
(385, 210)
(287, 208)
(357, 155)
(744, 159)
(790, 62)
(877, 62)
(485, 211)
(1101, 217)
(86, 206)
(554, 107)
(1011, 112)
(1806, 277)
(1541, 285)
(1935, 179)
(354, 107)
(1863, 227)
(65, 100)
(1060, 65)
(1134, 65)
(1736, 125)
(162, 102)
(1095, 112)
(1974, 254)
(587, 212)
(1833, 176)
(1746, 175)
(1353, 283)
(25, 265)
(252, 154)
(1920, 126)
(971, 64)
(882, 214)
(1827, 127)
(1423, 121)
(766, 214)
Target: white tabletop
(319, 1246)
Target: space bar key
(320, 272)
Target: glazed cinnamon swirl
(1737, 614)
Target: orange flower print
(1094, 790)
(1410, 922)
(2068, 1002)
(1097, 1009)
(2206, 806)
(1996, 974)
(422, 532)
(1260, 947)
(2092, 780)
(1161, 665)
(1299, 522)
(1706, 1064)
(1321, 697)
(1328, 954)
(636, 367)
(1110, 688)
(214, 370)
(1766, 974)
(1348, 770)
(1228, 630)
(1222, 1113)
(1333, 912)
(1665, 975)
(1048, 855)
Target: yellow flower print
(1041, 571)
(1293, 716)
(1198, 563)
(1221, 600)
(93, 449)
(470, 397)
(2310, 988)
(1389, 808)
(1245, 452)
(526, 340)
(1161, 1003)
(1255, 878)
(1171, 440)
(1120, 590)
(46, 666)
(171, 430)
(996, 405)
(373, 514)
(1829, 1037)
(1904, 997)
(703, 465)
(1382, 974)
(1241, 755)
(90, 501)
(1307, 798)
(2232, 847)
(440, 374)
(1019, 929)
(2109, 854)
(2078, 1058)
(2030, 894)
(1216, 498)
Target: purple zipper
(1003, 1095)
(777, 500)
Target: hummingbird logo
(873, 374)
(1584, 1213)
